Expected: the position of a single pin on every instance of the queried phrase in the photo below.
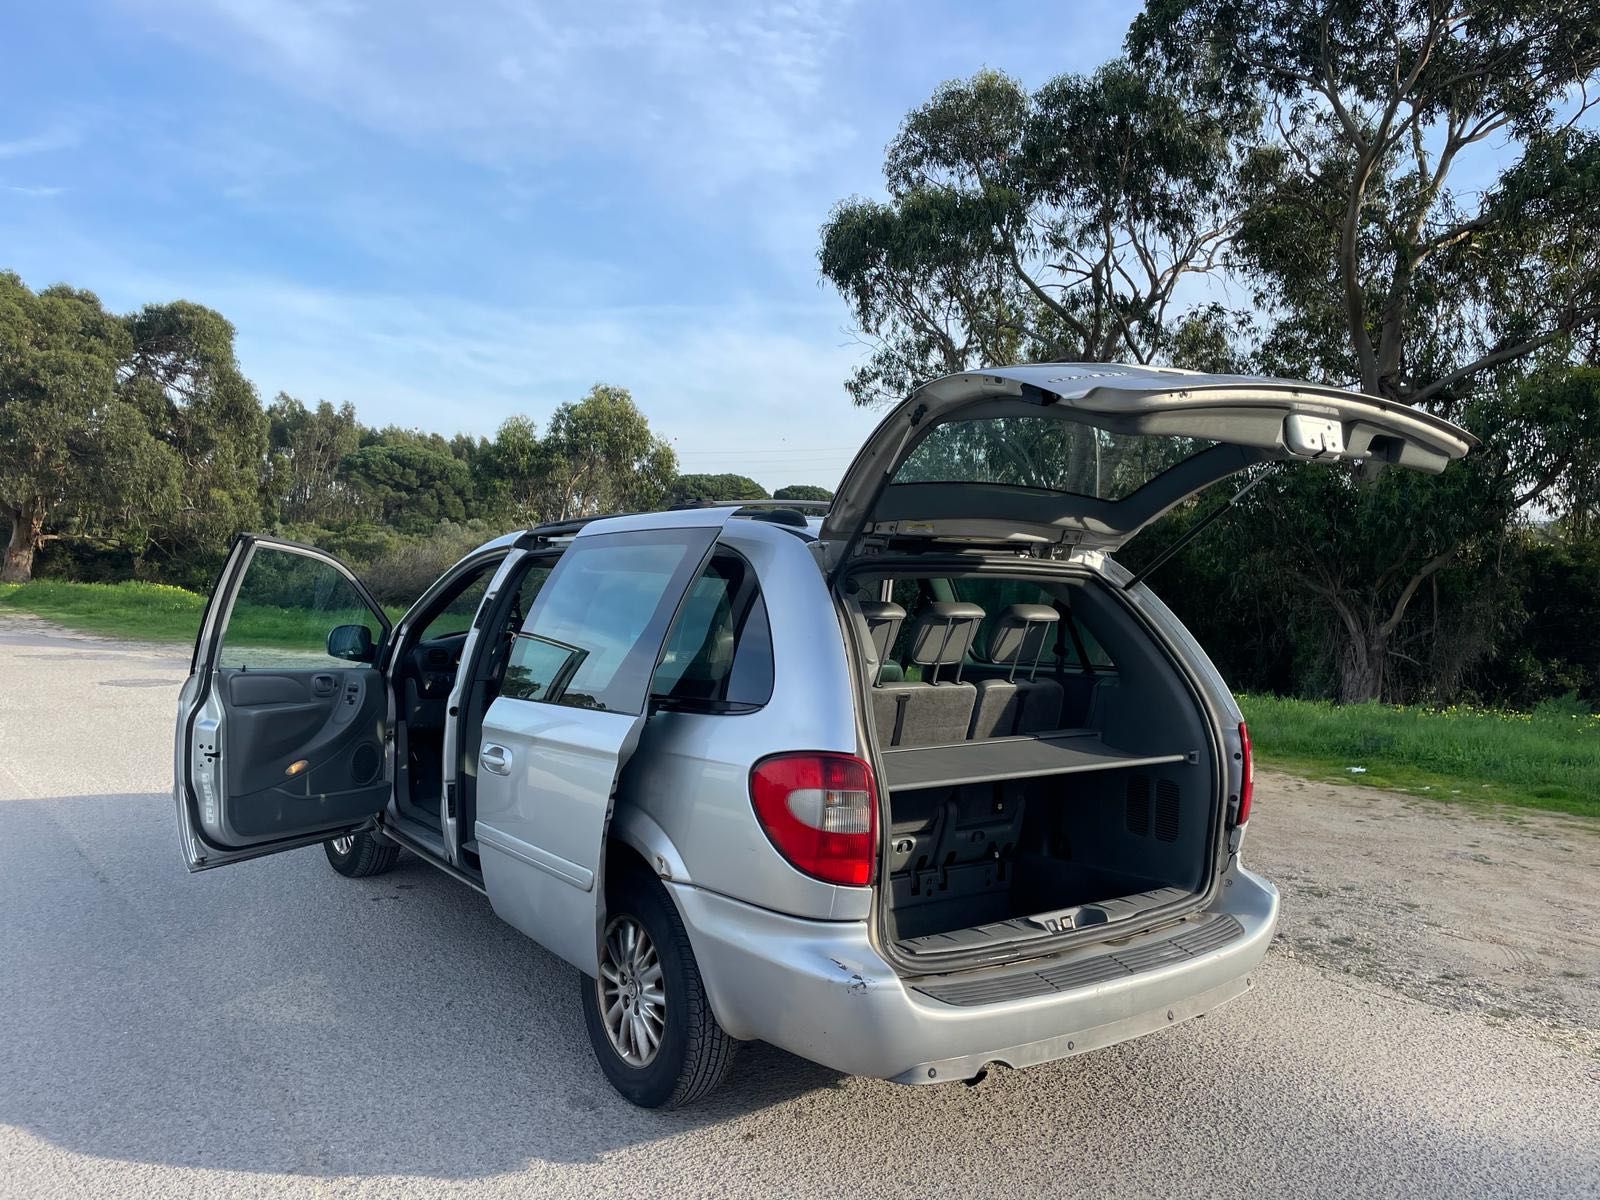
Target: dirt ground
(1473, 908)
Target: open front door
(567, 718)
(1088, 454)
(280, 739)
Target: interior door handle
(495, 758)
(323, 685)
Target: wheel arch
(638, 840)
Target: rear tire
(662, 1048)
(357, 855)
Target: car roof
(698, 516)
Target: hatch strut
(1200, 527)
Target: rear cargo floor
(982, 865)
(1037, 887)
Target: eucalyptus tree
(1380, 259)
(75, 456)
(182, 374)
(603, 457)
(1054, 224)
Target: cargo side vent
(1166, 811)
(1138, 805)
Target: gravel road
(1428, 1023)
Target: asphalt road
(273, 1029)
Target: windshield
(1047, 453)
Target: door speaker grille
(1166, 811)
(365, 763)
(1138, 805)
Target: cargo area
(1044, 765)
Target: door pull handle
(495, 758)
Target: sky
(447, 213)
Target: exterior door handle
(495, 758)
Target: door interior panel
(331, 720)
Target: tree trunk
(27, 525)
(1361, 667)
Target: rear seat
(883, 619)
(1010, 706)
(933, 711)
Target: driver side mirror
(352, 642)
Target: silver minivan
(916, 785)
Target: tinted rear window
(719, 650)
(1047, 453)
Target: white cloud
(707, 95)
(38, 191)
(726, 388)
(57, 137)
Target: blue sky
(448, 213)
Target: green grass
(149, 611)
(161, 613)
(1548, 760)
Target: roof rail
(551, 530)
(802, 505)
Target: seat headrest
(943, 633)
(883, 618)
(1020, 633)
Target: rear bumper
(819, 989)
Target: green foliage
(716, 487)
(1550, 646)
(1550, 759)
(183, 376)
(400, 570)
(802, 491)
(602, 457)
(409, 486)
(306, 449)
(74, 452)
(514, 469)
(1026, 227)
(1379, 268)
(1376, 267)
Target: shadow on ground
(277, 1017)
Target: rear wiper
(1200, 527)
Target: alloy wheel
(632, 993)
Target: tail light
(1247, 776)
(821, 812)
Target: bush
(404, 567)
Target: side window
(719, 652)
(596, 625)
(286, 606)
(1098, 658)
(994, 595)
(456, 616)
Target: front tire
(357, 855)
(648, 1017)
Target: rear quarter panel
(684, 801)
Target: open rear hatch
(1088, 819)
(1088, 454)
